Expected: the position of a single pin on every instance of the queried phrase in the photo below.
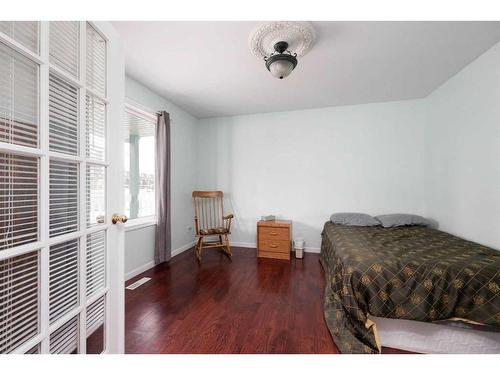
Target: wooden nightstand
(274, 239)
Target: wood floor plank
(243, 305)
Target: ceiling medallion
(279, 43)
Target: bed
(412, 273)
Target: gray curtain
(163, 244)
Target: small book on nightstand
(268, 218)
(274, 239)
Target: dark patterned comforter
(415, 273)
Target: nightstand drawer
(276, 246)
(274, 233)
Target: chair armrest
(227, 219)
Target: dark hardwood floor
(243, 305)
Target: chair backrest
(208, 209)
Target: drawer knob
(273, 246)
(273, 233)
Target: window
(139, 164)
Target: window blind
(19, 300)
(24, 32)
(64, 46)
(63, 116)
(95, 315)
(96, 61)
(64, 340)
(96, 262)
(63, 206)
(95, 194)
(18, 98)
(18, 200)
(139, 126)
(34, 350)
(63, 276)
(95, 118)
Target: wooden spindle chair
(210, 221)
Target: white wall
(305, 165)
(438, 156)
(139, 245)
(462, 154)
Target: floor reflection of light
(152, 319)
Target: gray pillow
(400, 220)
(354, 218)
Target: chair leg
(198, 248)
(227, 245)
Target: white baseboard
(183, 248)
(151, 264)
(243, 244)
(315, 250)
(139, 270)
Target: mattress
(412, 273)
(447, 337)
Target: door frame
(115, 317)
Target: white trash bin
(299, 248)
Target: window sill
(140, 223)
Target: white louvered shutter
(64, 46)
(18, 200)
(64, 340)
(95, 118)
(19, 300)
(96, 262)
(96, 191)
(95, 316)
(24, 32)
(96, 61)
(18, 99)
(63, 205)
(63, 275)
(63, 116)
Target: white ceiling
(207, 68)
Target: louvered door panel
(18, 99)
(19, 300)
(34, 350)
(63, 197)
(64, 46)
(63, 278)
(95, 117)
(53, 186)
(63, 116)
(95, 326)
(96, 262)
(24, 32)
(96, 61)
(64, 340)
(18, 200)
(95, 315)
(96, 191)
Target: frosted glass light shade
(281, 68)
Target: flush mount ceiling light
(281, 64)
(280, 43)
